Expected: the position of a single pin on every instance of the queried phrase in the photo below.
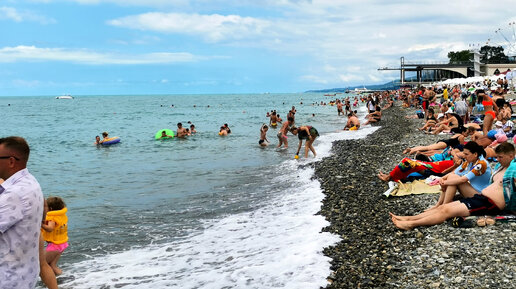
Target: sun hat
(498, 123)
(440, 115)
(449, 110)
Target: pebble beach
(372, 252)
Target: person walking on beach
(21, 212)
(55, 232)
(307, 133)
(282, 134)
(499, 195)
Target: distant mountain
(392, 85)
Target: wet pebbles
(375, 254)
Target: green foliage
(493, 54)
(460, 56)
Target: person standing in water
(307, 133)
(273, 120)
(181, 131)
(282, 134)
(263, 136)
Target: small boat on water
(64, 96)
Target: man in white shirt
(21, 211)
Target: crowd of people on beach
(475, 121)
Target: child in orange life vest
(55, 231)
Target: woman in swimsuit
(375, 116)
(490, 110)
(307, 133)
(430, 120)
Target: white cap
(440, 115)
(498, 123)
(449, 110)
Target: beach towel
(414, 188)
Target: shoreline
(372, 252)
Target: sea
(202, 212)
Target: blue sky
(85, 47)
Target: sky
(105, 47)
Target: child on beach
(55, 231)
(263, 136)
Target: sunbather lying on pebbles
(458, 138)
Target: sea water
(202, 212)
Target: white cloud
(32, 53)
(146, 3)
(10, 13)
(350, 77)
(314, 79)
(212, 28)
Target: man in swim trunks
(282, 134)
(352, 122)
(499, 195)
(339, 107)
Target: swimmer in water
(227, 128)
(223, 131)
(165, 135)
(97, 140)
(105, 135)
(192, 129)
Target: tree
(460, 56)
(493, 54)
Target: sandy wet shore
(375, 254)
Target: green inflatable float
(169, 134)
